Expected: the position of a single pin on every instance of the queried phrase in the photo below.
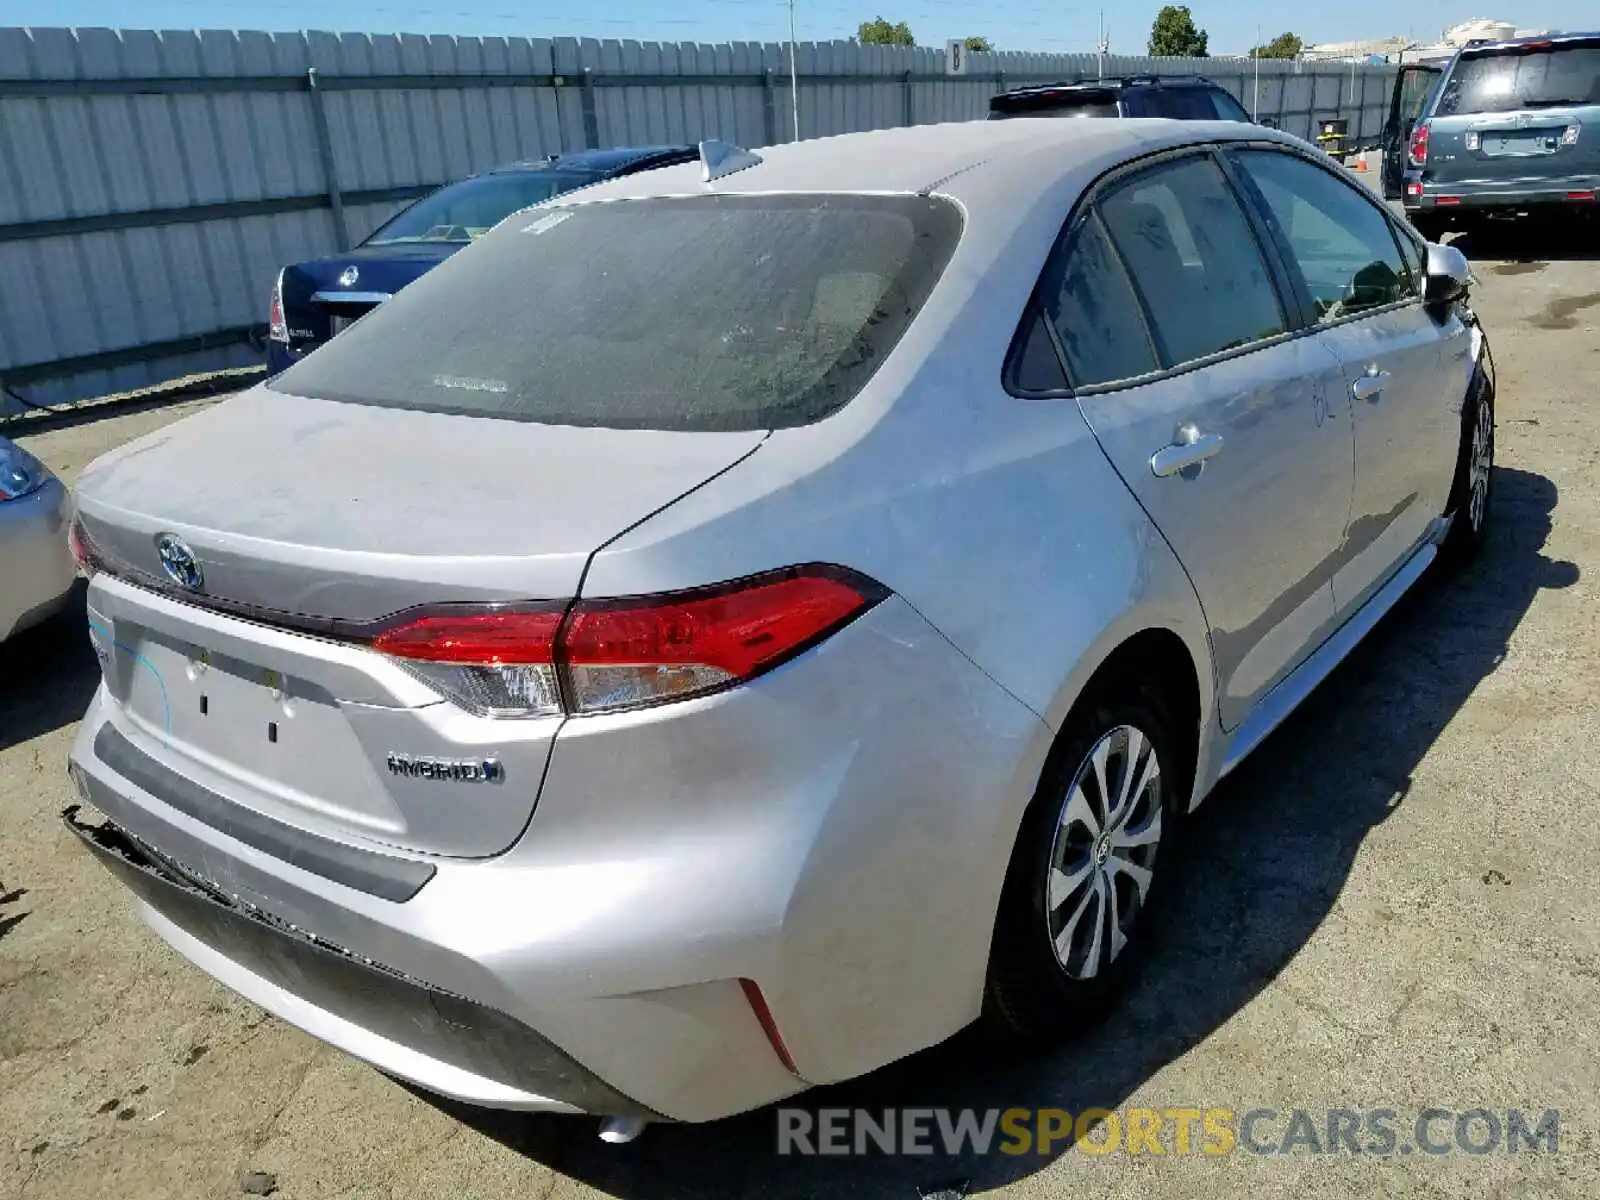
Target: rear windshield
(1523, 78)
(683, 313)
(469, 209)
(1087, 102)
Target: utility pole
(1255, 88)
(1103, 47)
(794, 75)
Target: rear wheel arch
(1149, 681)
(1157, 660)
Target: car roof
(962, 159)
(598, 162)
(1543, 39)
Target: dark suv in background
(1182, 97)
(1508, 127)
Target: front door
(1411, 88)
(1233, 433)
(1405, 366)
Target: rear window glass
(1523, 79)
(1090, 102)
(469, 209)
(684, 313)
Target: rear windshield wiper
(1547, 102)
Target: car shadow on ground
(1266, 859)
(47, 675)
(1524, 245)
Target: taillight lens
(607, 655)
(497, 662)
(277, 327)
(82, 548)
(1417, 152)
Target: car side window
(1193, 259)
(1087, 297)
(1228, 109)
(1181, 103)
(1413, 253)
(1341, 241)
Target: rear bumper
(464, 1048)
(837, 832)
(37, 568)
(1484, 195)
(281, 357)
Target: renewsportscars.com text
(1213, 1132)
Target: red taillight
(614, 654)
(1417, 152)
(277, 327)
(1588, 195)
(493, 638)
(82, 548)
(1446, 201)
(1413, 189)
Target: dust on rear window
(681, 313)
(1523, 77)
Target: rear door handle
(1370, 385)
(1189, 449)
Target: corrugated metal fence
(151, 184)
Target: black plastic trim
(385, 876)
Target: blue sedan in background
(314, 300)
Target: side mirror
(1268, 122)
(1446, 276)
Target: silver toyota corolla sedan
(36, 572)
(735, 626)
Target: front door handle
(1188, 452)
(1370, 386)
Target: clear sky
(1010, 24)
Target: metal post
(1255, 95)
(769, 106)
(330, 174)
(909, 114)
(591, 115)
(794, 74)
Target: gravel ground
(1395, 903)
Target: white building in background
(1399, 49)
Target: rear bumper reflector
(758, 1005)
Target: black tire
(1470, 528)
(1030, 994)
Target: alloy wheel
(1103, 856)
(1480, 466)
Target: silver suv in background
(1510, 127)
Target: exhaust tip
(619, 1131)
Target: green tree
(878, 32)
(1174, 34)
(1285, 45)
(978, 45)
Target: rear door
(1411, 88)
(1405, 366)
(1233, 433)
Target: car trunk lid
(311, 520)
